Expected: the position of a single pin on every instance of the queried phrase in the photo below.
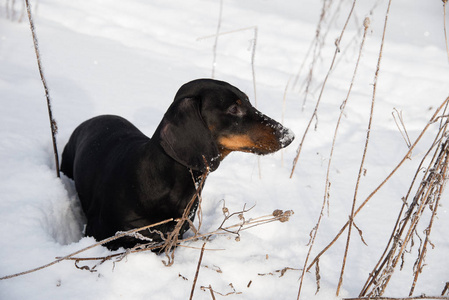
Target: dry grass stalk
(433, 201)
(253, 49)
(352, 215)
(445, 31)
(436, 143)
(314, 232)
(171, 241)
(203, 288)
(314, 114)
(316, 45)
(71, 256)
(53, 125)
(381, 262)
(445, 289)
(214, 62)
(197, 271)
(432, 120)
(427, 195)
(213, 292)
(278, 215)
(401, 126)
(315, 229)
(401, 298)
(253, 56)
(281, 272)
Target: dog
(126, 180)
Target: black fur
(126, 180)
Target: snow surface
(130, 57)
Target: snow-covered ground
(130, 57)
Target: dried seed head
(286, 216)
(225, 210)
(237, 238)
(277, 213)
(366, 23)
(281, 215)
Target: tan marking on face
(236, 143)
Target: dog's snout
(283, 134)
(287, 137)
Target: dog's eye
(235, 110)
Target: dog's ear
(185, 137)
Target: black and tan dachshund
(126, 180)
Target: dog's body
(126, 180)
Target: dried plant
(314, 232)
(197, 271)
(53, 125)
(314, 114)
(368, 132)
(213, 292)
(428, 195)
(235, 229)
(436, 116)
(400, 298)
(444, 26)
(214, 62)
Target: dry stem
(315, 230)
(53, 125)
(327, 184)
(428, 195)
(406, 156)
(314, 114)
(351, 217)
(445, 32)
(401, 298)
(214, 62)
(197, 271)
(171, 240)
(70, 256)
(277, 215)
(401, 126)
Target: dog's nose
(287, 136)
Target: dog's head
(209, 119)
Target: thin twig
(214, 62)
(383, 271)
(380, 277)
(53, 124)
(381, 263)
(314, 114)
(351, 217)
(370, 196)
(401, 298)
(337, 43)
(445, 32)
(327, 184)
(171, 240)
(197, 271)
(277, 215)
(85, 249)
(377, 269)
(429, 228)
(402, 130)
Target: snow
(129, 58)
